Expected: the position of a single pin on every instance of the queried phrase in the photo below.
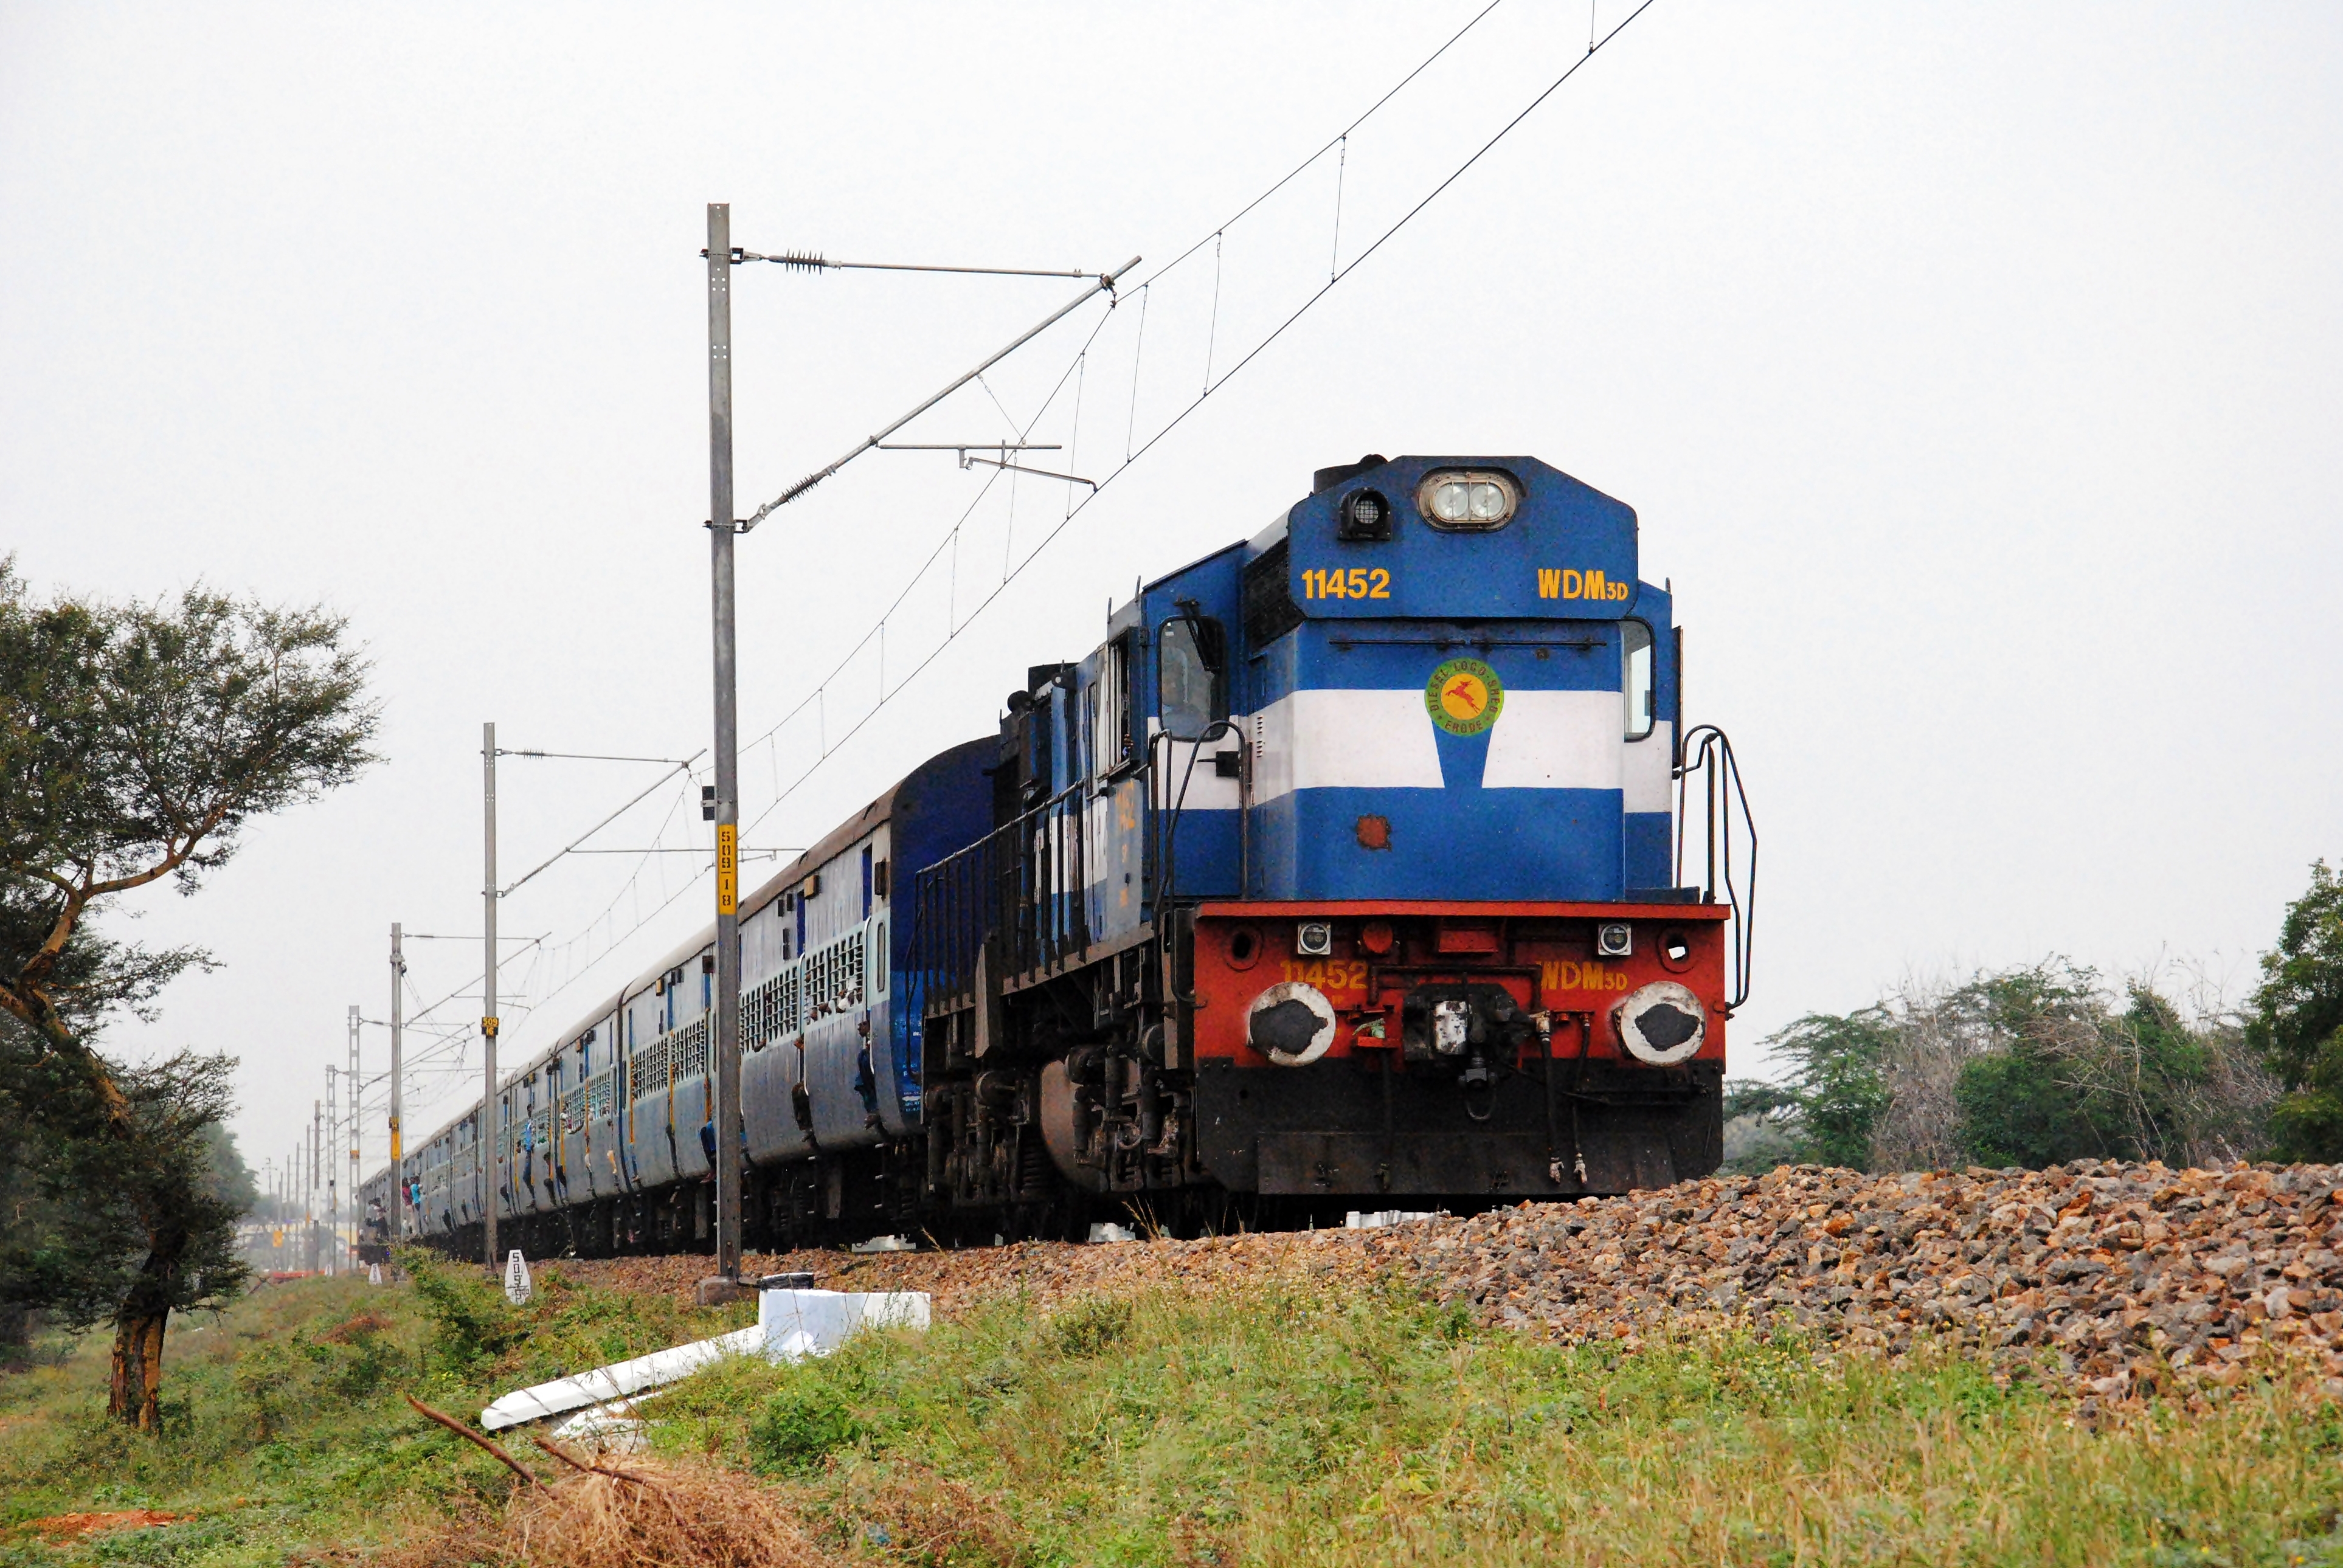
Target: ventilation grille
(1270, 611)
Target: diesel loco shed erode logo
(1464, 697)
(1569, 582)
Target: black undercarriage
(1068, 1100)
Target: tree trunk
(137, 1369)
(135, 1395)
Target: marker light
(1365, 516)
(1467, 500)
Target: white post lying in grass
(791, 1325)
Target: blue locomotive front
(1344, 867)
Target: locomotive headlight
(1615, 940)
(1292, 1023)
(1467, 500)
(1661, 1024)
(1313, 939)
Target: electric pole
(357, 1130)
(721, 527)
(398, 1215)
(307, 1207)
(333, 1180)
(491, 1142)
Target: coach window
(1191, 653)
(1635, 677)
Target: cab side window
(1191, 656)
(1635, 683)
(1110, 715)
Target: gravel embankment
(2130, 1275)
(2125, 1277)
(1047, 1272)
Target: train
(1347, 873)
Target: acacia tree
(137, 743)
(133, 1222)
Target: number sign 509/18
(1359, 582)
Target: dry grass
(647, 1513)
(909, 1513)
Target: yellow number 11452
(1359, 582)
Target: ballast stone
(2115, 1278)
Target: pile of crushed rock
(1046, 1274)
(2121, 1280)
(2131, 1279)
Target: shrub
(801, 1426)
(470, 1320)
(1090, 1325)
(2031, 1065)
(2297, 1022)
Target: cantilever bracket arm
(969, 460)
(1105, 285)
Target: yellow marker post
(728, 868)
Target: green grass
(284, 1431)
(1282, 1426)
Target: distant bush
(2031, 1065)
(1763, 1125)
(2297, 1022)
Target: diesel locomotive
(1347, 873)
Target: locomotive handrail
(1706, 751)
(1168, 819)
(1025, 884)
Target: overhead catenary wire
(682, 766)
(1135, 448)
(695, 850)
(1338, 139)
(1133, 453)
(1105, 285)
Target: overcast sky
(1974, 371)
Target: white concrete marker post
(517, 1286)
